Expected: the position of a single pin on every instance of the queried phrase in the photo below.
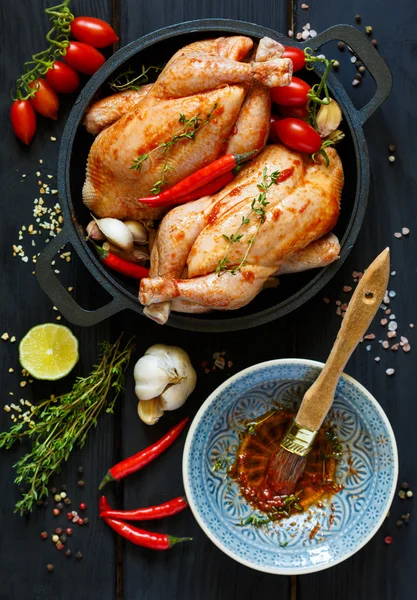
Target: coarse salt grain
(377, 359)
(406, 348)
(398, 235)
(368, 347)
(390, 372)
(405, 231)
(385, 344)
(384, 322)
(392, 294)
(370, 336)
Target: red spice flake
(388, 539)
(395, 347)
(44, 535)
(80, 521)
(326, 300)
(68, 531)
(392, 334)
(406, 348)
(204, 364)
(385, 344)
(314, 531)
(347, 288)
(370, 336)
(344, 306)
(388, 311)
(56, 511)
(384, 322)
(338, 303)
(59, 545)
(83, 506)
(69, 516)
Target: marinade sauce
(260, 441)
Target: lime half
(49, 351)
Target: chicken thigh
(195, 263)
(206, 84)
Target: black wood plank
(378, 572)
(24, 555)
(199, 569)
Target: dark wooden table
(199, 571)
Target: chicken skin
(194, 263)
(206, 83)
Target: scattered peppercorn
(336, 64)
(358, 18)
(63, 538)
(56, 511)
(55, 538)
(341, 45)
(58, 530)
(374, 43)
(69, 516)
(391, 158)
(368, 29)
(44, 535)
(401, 494)
(358, 76)
(80, 521)
(85, 521)
(53, 490)
(404, 485)
(406, 518)
(63, 488)
(63, 495)
(57, 497)
(391, 148)
(80, 470)
(399, 523)
(67, 501)
(361, 69)
(79, 555)
(388, 539)
(83, 506)
(68, 552)
(81, 483)
(50, 567)
(60, 505)
(59, 546)
(68, 531)
(409, 494)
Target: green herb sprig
(124, 81)
(186, 132)
(258, 208)
(63, 422)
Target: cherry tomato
(297, 135)
(84, 57)
(23, 120)
(294, 94)
(272, 133)
(93, 31)
(298, 112)
(297, 57)
(63, 78)
(45, 101)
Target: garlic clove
(151, 377)
(328, 118)
(116, 232)
(150, 411)
(136, 255)
(140, 235)
(94, 233)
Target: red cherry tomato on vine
(93, 31)
(23, 120)
(297, 57)
(294, 94)
(84, 57)
(272, 133)
(45, 101)
(63, 78)
(297, 112)
(297, 135)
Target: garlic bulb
(116, 232)
(328, 118)
(164, 374)
(140, 235)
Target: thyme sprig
(258, 208)
(63, 422)
(222, 462)
(124, 81)
(186, 132)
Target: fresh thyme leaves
(252, 425)
(283, 544)
(337, 448)
(125, 81)
(222, 462)
(63, 422)
(254, 521)
(186, 132)
(258, 208)
(276, 513)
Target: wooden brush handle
(362, 307)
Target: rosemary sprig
(124, 81)
(63, 422)
(186, 132)
(258, 208)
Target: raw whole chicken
(206, 83)
(196, 266)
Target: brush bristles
(284, 472)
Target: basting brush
(287, 465)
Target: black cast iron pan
(157, 48)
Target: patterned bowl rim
(194, 506)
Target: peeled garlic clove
(151, 377)
(116, 232)
(94, 233)
(150, 411)
(328, 118)
(140, 235)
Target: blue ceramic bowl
(369, 472)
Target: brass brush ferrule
(298, 439)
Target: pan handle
(65, 303)
(375, 64)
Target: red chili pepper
(121, 265)
(197, 180)
(151, 512)
(211, 188)
(142, 458)
(140, 537)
